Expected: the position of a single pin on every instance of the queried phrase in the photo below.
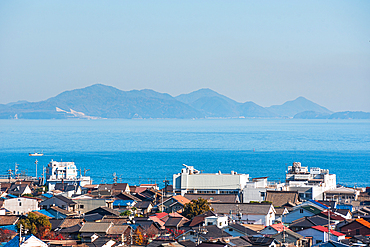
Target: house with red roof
(320, 234)
(173, 204)
(356, 227)
(273, 229)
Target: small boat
(36, 154)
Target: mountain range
(101, 101)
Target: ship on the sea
(35, 154)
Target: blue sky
(267, 52)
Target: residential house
(120, 188)
(273, 229)
(308, 222)
(320, 234)
(249, 213)
(28, 241)
(21, 205)
(205, 233)
(305, 211)
(175, 223)
(60, 201)
(87, 204)
(92, 230)
(121, 232)
(104, 211)
(144, 207)
(19, 189)
(291, 238)
(280, 198)
(173, 204)
(6, 220)
(356, 227)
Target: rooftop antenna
(86, 170)
(10, 174)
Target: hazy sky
(267, 52)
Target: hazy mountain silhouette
(300, 104)
(101, 101)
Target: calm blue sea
(142, 151)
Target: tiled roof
(8, 220)
(65, 199)
(324, 229)
(279, 198)
(68, 222)
(115, 220)
(120, 229)
(96, 227)
(182, 200)
(363, 222)
(279, 227)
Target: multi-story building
(191, 180)
(65, 172)
(310, 184)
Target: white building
(191, 180)
(311, 184)
(21, 205)
(255, 190)
(219, 221)
(66, 172)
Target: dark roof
(279, 198)
(120, 186)
(212, 244)
(213, 232)
(157, 242)
(104, 211)
(55, 223)
(105, 187)
(93, 217)
(243, 229)
(143, 204)
(17, 188)
(119, 229)
(307, 222)
(125, 196)
(187, 243)
(331, 244)
(71, 229)
(238, 241)
(258, 241)
(287, 235)
(175, 222)
(65, 199)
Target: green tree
(36, 225)
(125, 213)
(196, 207)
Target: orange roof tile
(181, 199)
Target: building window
(81, 206)
(20, 204)
(262, 194)
(301, 210)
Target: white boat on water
(36, 154)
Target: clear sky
(267, 52)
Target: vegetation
(36, 225)
(125, 213)
(196, 207)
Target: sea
(140, 151)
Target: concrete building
(256, 189)
(191, 180)
(310, 184)
(21, 205)
(64, 172)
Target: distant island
(100, 101)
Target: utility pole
(36, 167)
(166, 182)
(86, 170)
(328, 224)
(10, 174)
